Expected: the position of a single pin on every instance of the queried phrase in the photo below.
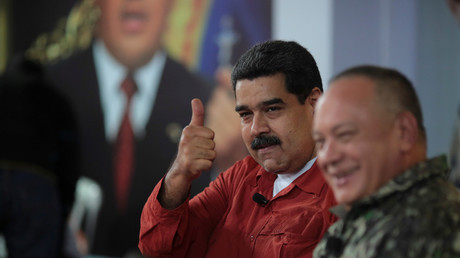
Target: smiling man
(371, 143)
(273, 203)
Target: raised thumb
(197, 113)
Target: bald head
(393, 91)
(366, 131)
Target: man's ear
(314, 96)
(454, 7)
(408, 130)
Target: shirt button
(251, 238)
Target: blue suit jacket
(117, 233)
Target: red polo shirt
(224, 221)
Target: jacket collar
(435, 167)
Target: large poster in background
(208, 34)
(102, 45)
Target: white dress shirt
(110, 75)
(283, 180)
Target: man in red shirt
(273, 203)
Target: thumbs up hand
(195, 155)
(196, 147)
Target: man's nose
(259, 125)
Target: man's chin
(272, 166)
(133, 59)
(344, 197)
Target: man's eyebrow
(272, 101)
(262, 104)
(346, 124)
(242, 107)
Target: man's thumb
(197, 113)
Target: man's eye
(319, 143)
(244, 114)
(345, 136)
(271, 109)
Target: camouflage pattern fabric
(455, 154)
(417, 214)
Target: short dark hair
(286, 57)
(393, 90)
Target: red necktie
(124, 148)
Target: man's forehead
(259, 105)
(350, 91)
(273, 79)
(261, 90)
(352, 82)
(343, 96)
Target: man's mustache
(265, 141)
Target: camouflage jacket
(417, 214)
(455, 154)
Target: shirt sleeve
(159, 225)
(184, 231)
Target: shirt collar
(294, 176)
(110, 74)
(148, 80)
(307, 181)
(110, 71)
